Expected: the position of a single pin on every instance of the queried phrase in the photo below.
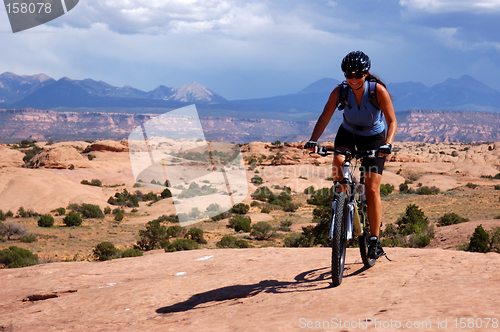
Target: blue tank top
(365, 116)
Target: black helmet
(355, 61)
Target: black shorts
(346, 139)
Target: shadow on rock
(312, 280)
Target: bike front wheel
(339, 240)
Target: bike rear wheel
(339, 240)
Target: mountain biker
(363, 129)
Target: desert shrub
(220, 216)
(124, 199)
(240, 208)
(495, 239)
(46, 220)
(10, 230)
(386, 189)
(404, 189)
(105, 251)
(418, 241)
(2, 216)
(262, 231)
(60, 211)
(309, 190)
(175, 231)
(397, 241)
(94, 182)
(151, 196)
(413, 221)
(228, 241)
(497, 187)
(72, 219)
(166, 193)
(90, 211)
(479, 240)
(119, 216)
(471, 185)
(262, 194)
(265, 210)
(451, 219)
(285, 225)
(181, 244)
(425, 190)
(296, 240)
(21, 212)
(240, 223)
(107, 210)
(30, 238)
(153, 237)
(256, 180)
(15, 257)
(255, 203)
(195, 234)
(131, 252)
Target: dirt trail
(265, 289)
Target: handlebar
(323, 151)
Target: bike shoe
(375, 249)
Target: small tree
(153, 237)
(166, 193)
(240, 208)
(240, 223)
(262, 231)
(72, 219)
(196, 234)
(414, 221)
(15, 257)
(105, 251)
(46, 220)
(479, 240)
(10, 230)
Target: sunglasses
(358, 75)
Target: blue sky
(248, 49)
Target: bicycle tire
(363, 245)
(339, 240)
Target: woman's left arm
(385, 102)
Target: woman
(363, 129)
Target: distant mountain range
(43, 92)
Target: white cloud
(443, 6)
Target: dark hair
(372, 77)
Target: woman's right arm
(325, 117)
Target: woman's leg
(372, 187)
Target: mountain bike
(349, 215)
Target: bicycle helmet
(355, 62)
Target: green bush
(386, 189)
(60, 211)
(46, 220)
(195, 234)
(131, 252)
(262, 194)
(265, 210)
(181, 244)
(240, 208)
(15, 257)
(228, 241)
(105, 251)
(240, 223)
(404, 189)
(30, 238)
(285, 225)
(175, 231)
(427, 191)
(262, 231)
(393, 242)
(72, 219)
(497, 187)
(124, 199)
(413, 222)
(21, 212)
(479, 240)
(2, 216)
(296, 240)
(309, 190)
(107, 210)
(255, 203)
(153, 237)
(223, 215)
(471, 185)
(256, 180)
(94, 182)
(166, 193)
(87, 210)
(451, 219)
(119, 216)
(418, 241)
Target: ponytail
(374, 78)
